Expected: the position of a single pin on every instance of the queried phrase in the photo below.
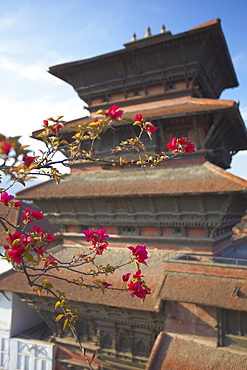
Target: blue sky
(35, 35)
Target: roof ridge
(207, 24)
(226, 174)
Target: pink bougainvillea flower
(105, 284)
(49, 237)
(181, 145)
(125, 277)
(96, 236)
(15, 236)
(98, 239)
(138, 118)
(173, 145)
(140, 253)
(5, 145)
(27, 216)
(6, 198)
(17, 204)
(151, 129)
(39, 250)
(88, 234)
(26, 239)
(138, 290)
(113, 112)
(189, 147)
(37, 229)
(100, 248)
(37, 215)
(50, 261)
(138, 275)
(102, 234)
(182, 140)
(56, 128)
(16, 253)
(30, 215)
(28, 160)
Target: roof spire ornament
(133, 37)
(148, 32)
(163, 29)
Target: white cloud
(22, 117)
(32, 72)
(6, 23)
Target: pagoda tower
(184, 213)
(175, 81)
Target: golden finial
(163, 30)
(148, 32)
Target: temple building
(196, 316)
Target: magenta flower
(37, 215)
(56, 128)
(151, 129)
(37, 229)
(138, 290)
(16, 253)
(138, 275)
(138, 118)
(40, 250)
(98, 239)
(189, 147)
(28, 160)
(113, 112)
(140, 253)
(125, 277)
(27, 216)
(50, 261)
(173, 145)
(106, 285)
(26, 239)
(96, 236)
(6, 198)
(100, 248)
(49, 237)
(17, 204)
(5, 146)
(182, 140)
(15, 236)
(181, 145)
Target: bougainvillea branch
(28, 252)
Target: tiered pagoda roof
(202, 178)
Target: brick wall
(191, 319)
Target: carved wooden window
(83, 329)
(140, 349)
(128, 230)
(106, 342)
(123, 344)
